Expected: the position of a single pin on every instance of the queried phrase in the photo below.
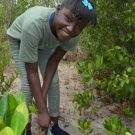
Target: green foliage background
(111, 47)
(116, 25)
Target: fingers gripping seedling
(33, 108)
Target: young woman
(40, 37)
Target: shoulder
(37, 16)
(39, 11)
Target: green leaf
(91, 130)
(7, 131)
(3, 104)
(13, 103)
(117, 47)
(129, 69)
(127, 133)
(115, 61)
(120, 57)
(112, 76)
(89, 66)
(90, 81)
(126, 89)
(127, 80)
(85, 75)
(131, 88)
(24, 110)
(80, 123)
(33, 109)
(80, 130)
(18, 123)
(107, 124)
(101, 60)
(114, 128)
(114, 120)
(34, 103)
(79, 67)
(2, 125)
(20, 98)
(98, 61)
(85, 125)
(109, 132)
(122, 82)
(4, 109)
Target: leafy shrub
(83, 100)
(85, 126)
(114, 126)
(12, 111)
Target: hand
(44, 120)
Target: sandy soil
(70, 83)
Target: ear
(58, 9)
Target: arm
(34, 82)
(51, 68)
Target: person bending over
(40, 37)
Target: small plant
(33, 107)
(5, 59)
(128, 112)
(6, 83)
(88, 70)
(13, 114)
(85, 126)
(114, 126)
(83, 101)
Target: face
(65, 25)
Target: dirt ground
(70, 83)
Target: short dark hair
(81, 12)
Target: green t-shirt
(32, 28)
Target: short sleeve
(71, 44)
(29, 46)
(30, 38)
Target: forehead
(67, 12)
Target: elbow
(53, 63)
(31, 67)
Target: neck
(52, 26)
(53, 29)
